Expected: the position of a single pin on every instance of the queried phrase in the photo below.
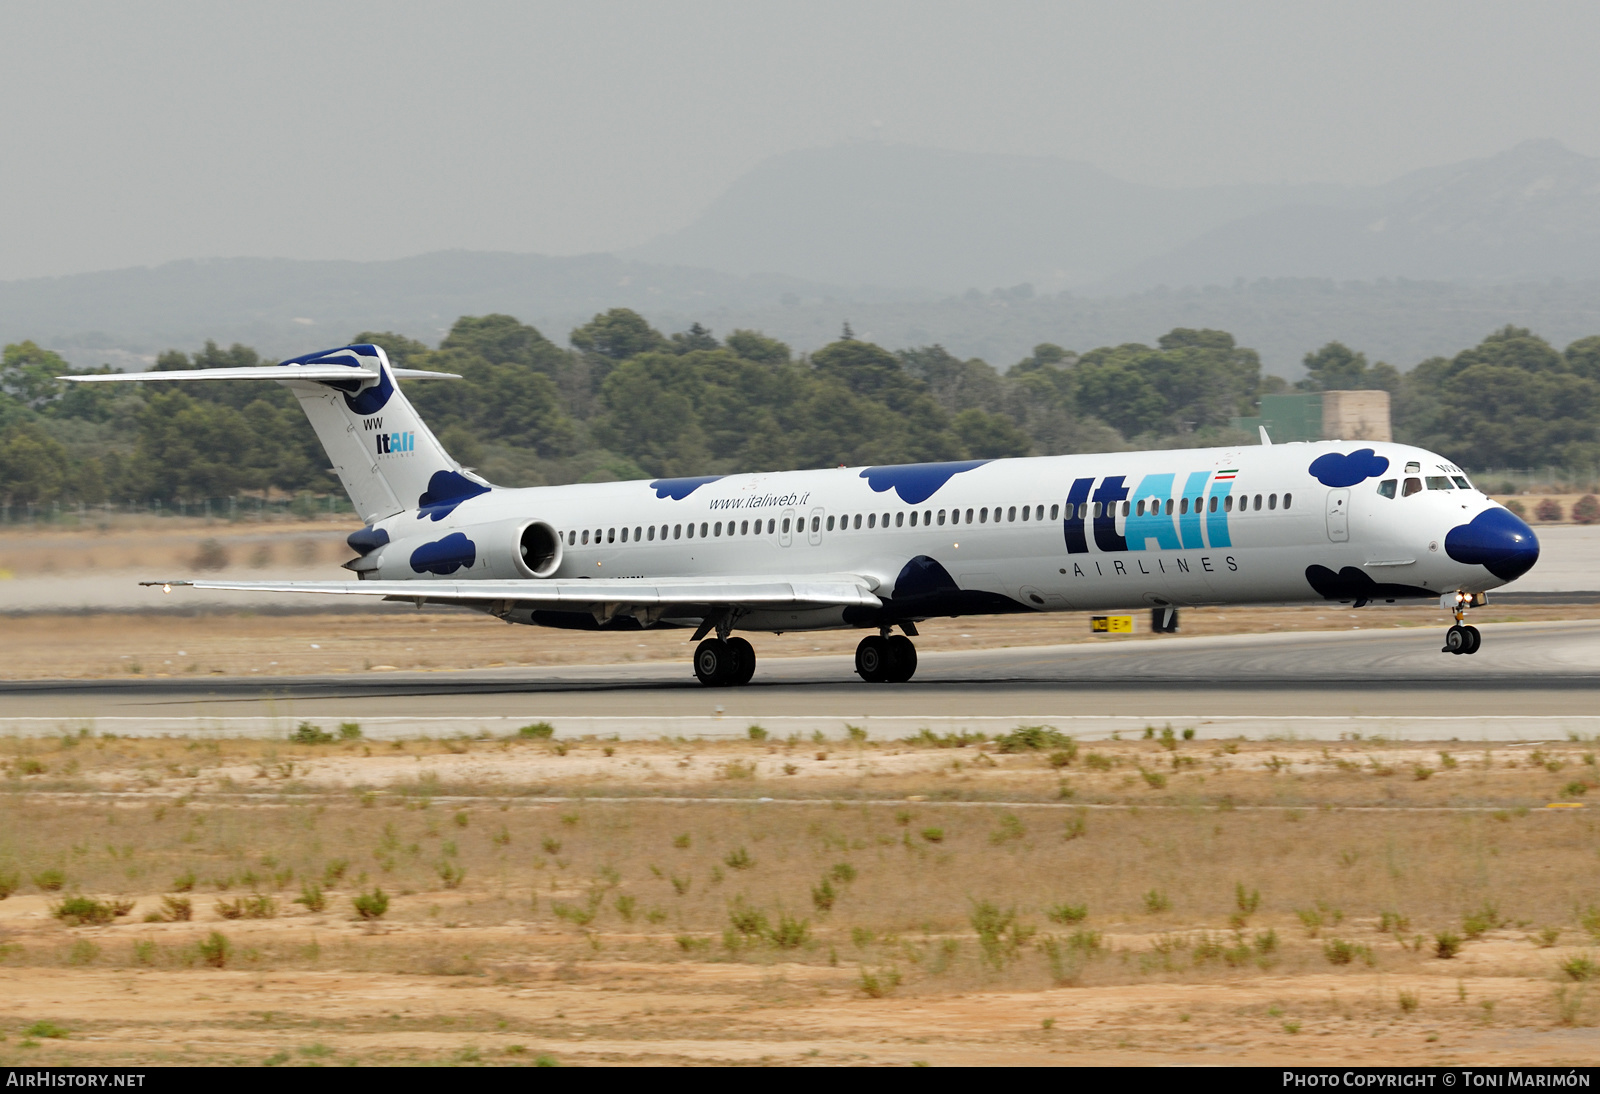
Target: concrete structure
(1323, 416)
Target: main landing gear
(886, 659)
(1462, 638)
(720, 663)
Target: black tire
(1455, 640)
(902, 659)
(872, 659)
(744, 662)
(1474, 639)
(712, 662)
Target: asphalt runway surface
(1530, 681)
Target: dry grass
(641, 929)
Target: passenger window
(691, 531)
(941, 518)
(572, 538)
(872, 520)
(624, 535)
(814, 524)
(586, 537)
(927, 517)
(1011, 514)
(983, 515)
(773, 523)
(1286, 499)
(1258, 503)
(1386, 488)
(1038, 513)
(1124, 508)
(744, 528)
(1025, 512)
(1413, 486)
(636, 532)
(899, 520)
(1169, 507)
(1227, 504)
(718, 529)
(857, 524)
(652, 533)
(1461, 481)
(1439, 482)
(1272, 501)
(663, 532)
(1183, 505)
(1213, 505)
(702, 530)
(677, 531)
(785, 525)
(913, 518)
(1054, 509)
(1138, 509)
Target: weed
(1062, 757)
(681, 842)
(1035, 739)
(569, 820)
(307, 734)
(856, 734)
(47, 1030)
(1446, 944)
(79, 911)
(215, 949)
(82, 952)
(823, 896)
(1009, 829)
(174, 909)
(790, 933)
(1447, 761)
(371, 905)
(1569, 1005)
(749, 922)
(312, 897)
(10, 880)
(738, 859)
(1421, 772)
(1580, 966)
(50, 881)
(1246, 902)
(1547, 937)
(843, 871)
(538, 731)
(1155, 780)
(1476, 924)
(577, 915)
(451, 874)
(1291, 1027)
(551, 845)
(680, 885)
(184, 882)
(1409, 1001)
(1067, 913)
(1099, 761)
(1156, 901)
(333, 872)
(1000, 936)
(933, 835)
(253, 906)
(879, 983)
(1340, 952)
(757, 733)
(1076, 824)
(626, 906)
(1393, 923)
(1575, 789)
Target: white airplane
(875, 548)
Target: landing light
(166, 588)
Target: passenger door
(1339, 515)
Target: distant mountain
(891, 214)
(1530, 213)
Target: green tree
(1336, 367)
(33, 465)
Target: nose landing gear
(1462, 638)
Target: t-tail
(383, 453)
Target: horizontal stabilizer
(583, 593)
(267, 372)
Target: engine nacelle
(505, 549)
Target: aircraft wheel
(1456, 640)
(713, 663)
(902, 659)
(872, 659)
(1474, 640)
(744, 661)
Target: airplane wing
(683, 596)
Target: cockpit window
(1439, 482)
(1413, 486)
(1386, 488)
(1461, 481)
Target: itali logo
(389, 444)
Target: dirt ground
(1023, 900)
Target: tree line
(624, 400)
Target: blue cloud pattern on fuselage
(678, 489)
(916, 482)
(1336, 469)
(446, 490)
(445, 556)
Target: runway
(1532, 681)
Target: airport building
(1323, 416)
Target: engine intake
(539, 549)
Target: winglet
(1266, 441)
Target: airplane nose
(1497, 540)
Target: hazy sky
(135, 133)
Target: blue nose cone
(1496, 540)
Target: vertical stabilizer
(387, 459)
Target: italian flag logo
(1226, 476)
